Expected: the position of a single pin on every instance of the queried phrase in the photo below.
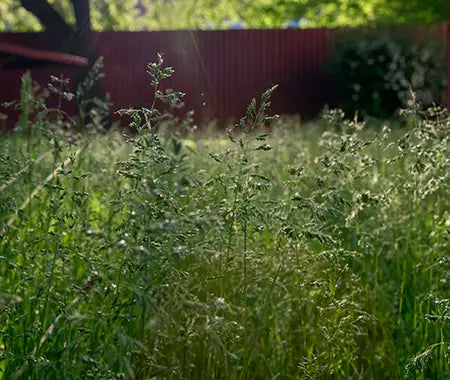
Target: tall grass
(266, 251)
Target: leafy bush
(376, 73)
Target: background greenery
(180, 14)
(375, 70)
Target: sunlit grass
(256, 253)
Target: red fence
(220, 71)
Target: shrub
(376, 73)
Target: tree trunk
(82, 44)
(60, 31)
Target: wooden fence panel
(220, 71)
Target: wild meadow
(270, 250)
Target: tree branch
(82, 14)
(50, 19)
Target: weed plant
(266, 252)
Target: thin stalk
(245, 279)
(230, 230)
(86, 288)
(49, 287)
(244, 258)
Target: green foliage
(377, 72)
(105, 15)
(416, 11)
(182, 14)
(261, 252)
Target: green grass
(262, 253)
